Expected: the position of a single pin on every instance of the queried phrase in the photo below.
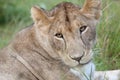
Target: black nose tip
(77, 58)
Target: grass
(16, 15)
(108, 43)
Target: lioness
(58, 46)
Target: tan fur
(51, 45)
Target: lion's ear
(38, 14)
(92, 8)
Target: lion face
(69, 30)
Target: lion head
(68, 32)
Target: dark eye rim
(82, 28)
(59, 35)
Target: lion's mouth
(83, 60)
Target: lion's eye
(82, 28)
(59, 35)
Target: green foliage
(108, 45)
(10, 11)
(15, 14)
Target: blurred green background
(15, 15)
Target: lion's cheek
(58, 44)
(87, 58)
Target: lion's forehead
(66, 6)
(65, 13)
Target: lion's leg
(107, 75)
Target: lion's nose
(77, 58)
